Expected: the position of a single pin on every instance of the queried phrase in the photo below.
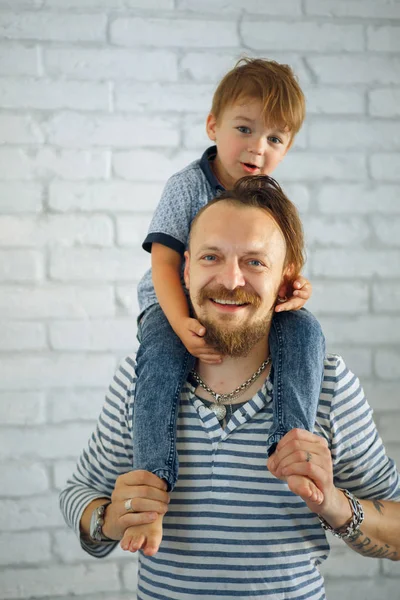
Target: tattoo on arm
(363, 545)
(378, 505)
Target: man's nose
(231, 276)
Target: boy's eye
(243, 129)
(274, 139)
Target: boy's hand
(191, 334)
(302, 290)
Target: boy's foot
(144, 537)
(305, 488)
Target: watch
(96, 524)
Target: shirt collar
(205, 166)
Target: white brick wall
(100, 102)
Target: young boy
(257, 110)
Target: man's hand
(149, 499)
(302, 290)
(191, 333)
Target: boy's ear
(186, 269)
(210, 127)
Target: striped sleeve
(360, 462)
(107, 455)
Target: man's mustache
(239, 295)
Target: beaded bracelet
(355, 522)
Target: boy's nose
(257, 145)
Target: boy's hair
(262, 191)
(274, 84)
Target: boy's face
(246, 145)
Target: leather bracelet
(353, 525)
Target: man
(232, 527)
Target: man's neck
(232, 372)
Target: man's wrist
(339, 513)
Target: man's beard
(237, 341)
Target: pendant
(219, 411)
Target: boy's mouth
(249, 168)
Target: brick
(55, 580)
(389, 427)
(289, 8)
(357, 134)
(301, 36)
(32, 479)
(18, 60)
(384, 9)
(369, 329)
(74, 405)
(68, 550)
(63, 230)
(355, 69)
(101, 335)
(129, 577)
(387, 361)
(174, 97)
(387, 230)
(53, 26)
(390, 567)
(131, 231)
(21, 266)
(24, 548)
(358, 360)
(41, 512)
(109, 197)
(92, 264)
(386, 297)
(384, 102)
(15, 335)
(194, 133)
(332, 100)
(52, 442)
(107, 4)
(383, 38)
(22, 409)
(20, 164)
(56, 301)
(317, 166)
(55, 371)
(336, 231)
(356, 263)
(140, 165)
(20, 198)
(127, 302)
(20, 129)
(111, 63)
(382, 396)
(337, 297)
(69, 129)
(344, 562)
(174, 33)
(385, 167)
(360, 199)
(300, 195)
(31, 4)
(348, 589)
(62, 471)
(46, 94)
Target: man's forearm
(379, 534)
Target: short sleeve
(360, 462)
(170, 225)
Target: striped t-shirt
(234, 531)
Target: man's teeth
(228, 302)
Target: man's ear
(210, 127)
(186, 269)
(286, 286)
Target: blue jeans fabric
(297, 349)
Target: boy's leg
(163, 364)
(297, 346)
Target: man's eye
(274, 139)
(208, 257)
(243, 129)
(255, 263)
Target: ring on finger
(128, 505)
(308, 456)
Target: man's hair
(274, 84)
(262, 191)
